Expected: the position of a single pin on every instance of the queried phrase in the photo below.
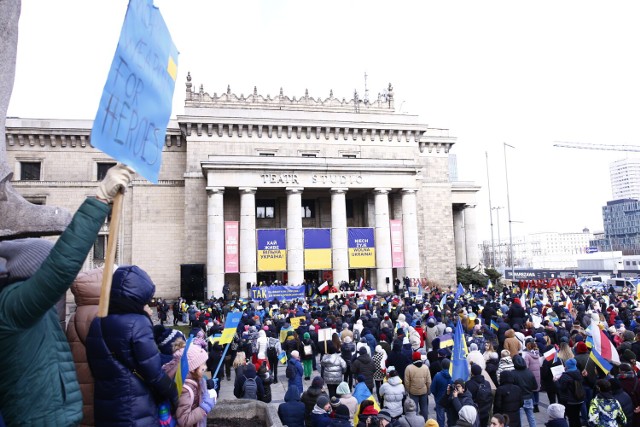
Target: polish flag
(550, 355)
(602, 344)
(324, 287)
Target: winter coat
(559, 422)
(473, 385)
(350, 402)
(505, 364)
(249, 371)
(319, 417)
(364, 365)
(398, 360)
(625, 402)
(392, 393)
(347, 350)
(508, 399)
(123, 356)
(262, 344)
(524, 378)
(296, 366)
(566, 388)
(605, 411)
(189, 413)
(432, 332)
(511, 343)
(516, 314)
(86, 291)
(30, 325)
(334, 367)
(309, 398)
(417, 379)
(534, 363)
(439, 385)
(291, 412)
(413, 419)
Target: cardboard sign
(325, 334)
(135, 106)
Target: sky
(493, 72)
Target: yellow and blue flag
(459, 291)
(494, 325)
(230, 327)
(600, 361)
(459, 366)
(446, 340)
(183, 368)
(282, 357)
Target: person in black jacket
(508, 399)
(364, 365)
(310, 397)
(249, 371)
(566, 392)
(478, 387)
(527, 382)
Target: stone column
(339, 246)
(248, 273)
(295, 254)
(215, 241)
(383, 240)
(458, 238)
(470, 236)
(410, 234)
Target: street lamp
(506, 173)
(497, 209)
(493, 248)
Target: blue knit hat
(571, 365)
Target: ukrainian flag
(230, 327)
(446, 340)
(459, 366)
(282, 357)
(494, 325)
(183, 368)
(600, 361)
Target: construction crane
(588, 146)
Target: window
(30, 171)
(100, 248)
(267, 154)
(36, 200)
(308, 208)
(349, 156)
(265, 208)
(308, 155)
(349, 208)
(102, 169)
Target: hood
(318, 410)
(510, 333)
(506, 377)
(394, 380)
(262, 334)
(468, 413)
(534, 354)
(292, 394)
(86, 287)
(364, 358)
(249, 370)
(518, 362)
(131, 290)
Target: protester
(248, 384)
(347, 399)
(195, 402)
(481, 393)
(334, 368)
(508, 399)
(439, 386)
(605, 411)
(571, 392)
(364, 365)
(294, 370)
(393, 394)
(525, 379)
(310, 397)
(292, 411)
(417, 380)
(320, 412)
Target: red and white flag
(550, 355)
(324, 287)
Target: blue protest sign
(135, 107)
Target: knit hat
(165, 337)
(360, 378)
(384, 415)
(323, 399)
(196, 356)
(335, 402)
(306, 336)
(317, 382)
(555, 411)
(627, 335)
(343, 388)
(24, 256)
(342, 412)
(431, 423)
(476, 369)
(416, 356)
(628, 355)
(571, 365)
(581, 348)
(445, 364)
(362, 350)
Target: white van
(619, 284)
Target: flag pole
(107, 274)
(224, 353)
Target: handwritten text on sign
(135, 106)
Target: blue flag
(459, 291)
(459, 364)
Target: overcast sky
(525, 73)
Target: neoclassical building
(257, 188)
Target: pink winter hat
(196, 357)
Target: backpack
(272, 352)
(483, 394)
(307, 350)
(249, 388)
(578, 391)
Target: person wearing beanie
(439, 387)
(417, 380)
(623, 398)
(481, 393)
(320, 412)
(248, 384)
(431, 423)
(195, 402)
(169, 341)
(364, 365)
(347, 399)
(308, 353)
(311, 395)
(525, 379)
(570, 381)
(410, 415)
(35, 277)
(342, 417)
(121, 340)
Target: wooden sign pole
(107, 275)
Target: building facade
(621, 220)
(625, 178)
(261, 163)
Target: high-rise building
(625, 178)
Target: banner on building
(397, 243)
(231, 264)
(272, 249)
(135, 106)
(317, 248)
(362, 249)
(280, 293)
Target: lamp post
(493, 248)
(506, 173)
(497, 209)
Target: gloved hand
(207, 403)
(117, 177)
